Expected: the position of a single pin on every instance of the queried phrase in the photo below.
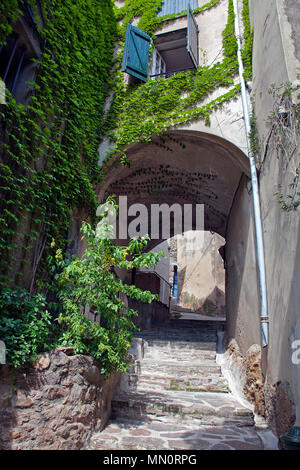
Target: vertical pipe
(255, 194)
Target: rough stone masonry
(57, 405)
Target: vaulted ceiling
(185, 167)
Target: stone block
(24, 403)
(42, 362)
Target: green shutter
(136, 53)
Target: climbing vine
(49, 147)
(138, 112)
(9, 12)
(147, 10)
(248, 41)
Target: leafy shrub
(25, 326)
(90, 284)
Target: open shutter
(192, 37)
(136, 53)
(171, 7)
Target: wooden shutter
(171, 7)
(136, 53)
(192, 38)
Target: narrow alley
(176, 397)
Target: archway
(190, 167)
(183, 167)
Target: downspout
(264, 318)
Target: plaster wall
(212, 20)
(275, 60)
(226, 122)
(242, 297)
(201, 277)
(276, 51)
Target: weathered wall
(55, 406)
(282, 251)
(277, 29)
(201, 277)
(242, 301)
(275, 60)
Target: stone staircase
(175, 397)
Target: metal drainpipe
(264, 318)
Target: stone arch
(203, 169)
(185, 167)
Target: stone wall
(56, 405)
(246, 374)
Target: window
(170, 7)
(158, 65)
(16, 65)
(12, 58)
(175, 51)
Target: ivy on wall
(248, 41)
(49, 151)
(147, 10)
(9, 12)
(139, 111)
(49, 148)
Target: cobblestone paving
(160, 435)
(175, 397)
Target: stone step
(197, 324)
(163, 358)
(185, 327)
(212, 383)
(180, 345)
(175, 396)
(181, 333)
(188, 338)
(194, 369)
(177, 337)
(188, 357)
(207, 407)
